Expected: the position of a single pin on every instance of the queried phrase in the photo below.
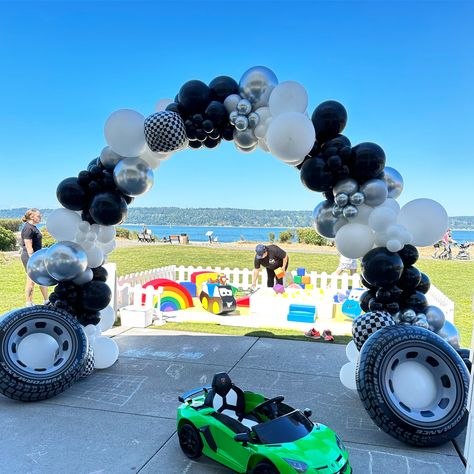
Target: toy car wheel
(27, 379)
(215, 307)
(413, 385)
(205, 303)
(190, 441)
(264, 468)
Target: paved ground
(122, 419)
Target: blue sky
(403, 70)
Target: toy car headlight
(340, 444)
(298, 466)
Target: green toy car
(251, 434)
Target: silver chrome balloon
(350, 212)
(357, 198)
(244, 107)
(254, 119)
(245, 139)
(421, 321)
(241, 123)
(375, 192)
(233, 116)
(257, 84)
(408, 316)
(247, 150)
(109, 158)
(65, 260)
(394, 181)
(348, 186)
(36, 269)
(341, 199)
(324, 221)
(450, 334)
(231, 101)
(435, 317)
(337, 211)
(396, 317)
(133, 176)
(84, 278)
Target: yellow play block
(309, 286)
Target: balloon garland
(360, 211)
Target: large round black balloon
(410, 278)
(96, 295)
(365, 299)
(367, 284)
(94, 162)
(381, 267)
(416, 301)
(216, 112)
(108, 208)
(341, 141)
(194, 97)
(223, 86)
(424, 285)
(100, 273)
(315, 175)
(329, 120)
(72, 195)
(367, 161)
(409, 254)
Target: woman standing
(31, 242)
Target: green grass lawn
(454, 278)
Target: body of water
(249, 234)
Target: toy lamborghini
(249, 433)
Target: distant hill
(221, 216)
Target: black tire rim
(265, 469)
(189, 440)
(440, 370)
(65, 339)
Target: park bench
(174, 238)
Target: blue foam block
(301, 317)
(301, 271)
(303, 308)
(190, 286)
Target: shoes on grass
(313, 333)
(327, 335)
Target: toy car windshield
(285, 429)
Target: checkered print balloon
(89, 364)
(366, 324)
(165, 131)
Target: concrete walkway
(122, 419)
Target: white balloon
(381, 239)
(95, 257)
(288, 96)
(89, 330)
(398, 232)
(84, 226)
(381, 218)
(162, 104)
(263, 145)
(354, 240)
(425, 219)
(105, 233)
(290, 136)
(363, 214)
(264, 114)
(392, 203)
(107, 318)
(38, 350)
(260, 131)
(63, 224)
(347, 375)
(124, 132)
(153, 159)
(352, 352)
(394, 245)
(106, 352)
(108, 247)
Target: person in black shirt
(31, 241)
(271, 257)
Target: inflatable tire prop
(393, 362)
(21, 382)
(466, 357)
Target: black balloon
(367, 161)
(385, 295)
(410, 278)
(374, 305)
(94, 162)
(424, 285)
(416, 301)
(367, 284)
(329, 120)
(86, 318)
(216, 112)
(210, 143)
(339, 142)
(365, 299)
(381, 267)
(409, 254)
(315, 175)
(392, 307)
(95, 295)
(100, 273)
(72, 195)
(195, 144)
(223, 86)
(108, 208)
(174, 107)
(228, 133)
(194, 96)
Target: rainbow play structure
(174, 296)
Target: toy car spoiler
(192, 393)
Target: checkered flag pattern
(165, 131)
(366, 324)
(89, 364)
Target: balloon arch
(359, 211)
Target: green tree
(286, 236)
(7, 240)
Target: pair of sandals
(315, 334)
